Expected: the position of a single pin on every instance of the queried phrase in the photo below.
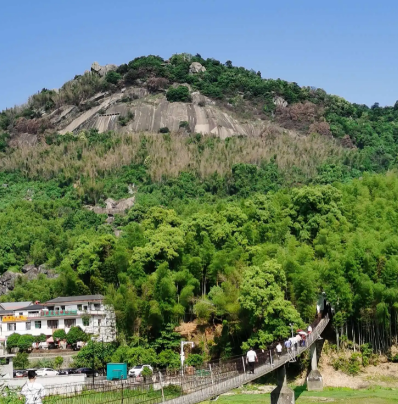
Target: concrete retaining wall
(69, 384)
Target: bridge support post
(314, 379)
(282, 394)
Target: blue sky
(346, 47)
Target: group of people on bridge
(290, 345)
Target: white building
(88, 312)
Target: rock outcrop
(29, 272)
(196, 67)
(114, 207)
(102, 70)
(154, 112)
(7, 281)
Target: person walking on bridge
(251, 359)
(279, 350)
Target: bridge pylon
(282, 394)
(314, 379)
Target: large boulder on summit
(102, 70)
(196, 67)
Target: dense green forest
(243, 232)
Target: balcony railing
(54, 313)
(65, 313)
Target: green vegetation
(124, 120)
(75, 334)
(25, 342)
(179, 94)
(58, 362)
(21, 360)
(243, 232)
(113, 77)
(373, 395)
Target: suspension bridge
(205, 383)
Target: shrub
(146, 372)
(156, 83)
(58, 362)
(112, 77)
(75, 334)
(169, 359)
(131, 76)
(350, 366)
(41, 338)
(124, 120)
(125, 98)
(21, 360)
(25, 342)
(122, 69)
(12, 340)
(4, 141)
(194, 360)
(164, 130)
(59, 334)
(366, 352)
(185, 125)
(179, 94)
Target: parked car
(137, 370)
(43, 345)
(78, 345)
(46, 372)
(19, 373)
(88, 371)
(70, 371)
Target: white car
(137, 370)
(46, 372)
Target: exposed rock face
(29, 272)
(152, 113)
(7, 281)
(102, 70)
(196, 67)
(114, 207)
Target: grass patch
(375, 395)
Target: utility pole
(93, 361)
(182, 355)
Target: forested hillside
(243, 232)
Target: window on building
(79, 307)
(70, 322)
(99, 322)
(20, 313)
(85, 308)
(53, 324)
(97, 306)
(37, 324)
(11, 326)
(28, 325)
(62, 307)
(86, 321)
